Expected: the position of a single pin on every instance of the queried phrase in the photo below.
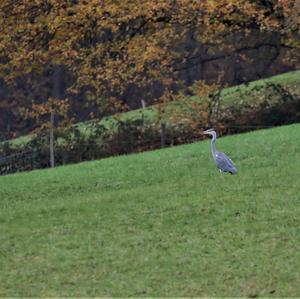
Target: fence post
(52, 163)
(162, 134)
(34, 159)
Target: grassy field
(161, 223)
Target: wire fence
(21, 161)
(39, 157)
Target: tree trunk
(56, 92)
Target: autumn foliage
(96, 52)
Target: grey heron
(223, 162)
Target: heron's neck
(213, 145)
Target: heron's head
(211, 132)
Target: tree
(107, 48)
(51, 117)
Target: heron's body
(223, 162)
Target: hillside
(244, 93)
(156, 224)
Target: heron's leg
(221, 172)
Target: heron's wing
(225, 163)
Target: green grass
(236, 93)
(160, 223)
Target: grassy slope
(161, 223)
